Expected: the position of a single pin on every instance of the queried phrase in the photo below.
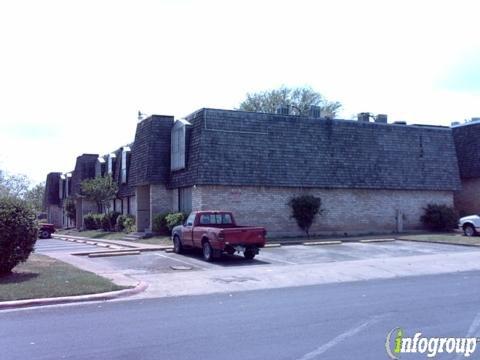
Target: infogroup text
(397, 343)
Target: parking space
(163, 262)
(300, 254)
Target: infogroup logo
(397, 343)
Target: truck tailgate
(245, 236)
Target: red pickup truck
(45, 231)
(216, 232)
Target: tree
(18, 233)
(34, 197)
(304, 209)
(300, 99)
(101, 190)
(13, 185)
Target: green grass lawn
(156, 240)
(447, 238)
(44, 277)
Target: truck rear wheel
(177, 245)
(44, 234)
(249, 254)
(207, 251)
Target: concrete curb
(327, 242)
(119, 253)
(140, 287)
(314, 243)
(439, 242)
(376, 240)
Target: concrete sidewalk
(110, 246)
(278, 276)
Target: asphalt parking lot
(162, 262)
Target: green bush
(106, 222)
(174, 219)
(109, 220)
(125, 223)
(304, 209)
(160, 224)
(120, 220)
(90, 221)
(129, 224)
(439, 217)
(18, 233)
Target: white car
(470, 225)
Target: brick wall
(346, 210)
(160, 199)
(467, 200)
(54, 215)
(142, 208)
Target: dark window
(185, 200)
(215, 219)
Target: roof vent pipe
(315, 111)
(283, 110)
(381, 118)
(363, 117)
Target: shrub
(439, 217)
(174, 219)
(109, 220)
(90, 221)
(304, 209)
(123, 223)
(160, 224)
(18, 233)
(120, 220)
(106, 222)
(129, 224)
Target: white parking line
(472, 331)
(172, 258)
(340, 338)
(262, 257)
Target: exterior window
(111, 158)
(177, 150)
(216, 219)
(68, 185)
(185, 200)
(60, 187)
(190, 220)
(125, 151)
(100, 166)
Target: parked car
(45, 231)
(216, 232)
(470, 225)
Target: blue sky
(74, 74)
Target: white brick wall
(346, 210)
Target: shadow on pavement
(225, 260)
